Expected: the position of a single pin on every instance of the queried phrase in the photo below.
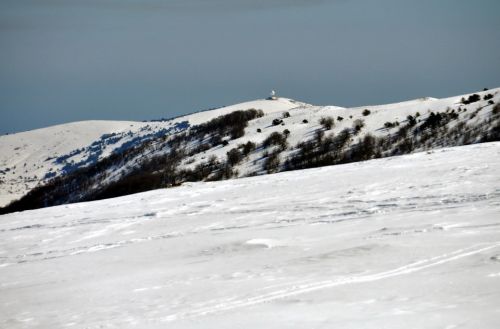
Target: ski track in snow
(415, 236)
(304, 288)
(379, 207)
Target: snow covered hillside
(31, 158)
(388, 243)
(73, 164)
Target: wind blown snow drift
(381, 243)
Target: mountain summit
(99, 159)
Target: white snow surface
(410, 241)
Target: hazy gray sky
(68, 60)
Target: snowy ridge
(379, 243)
(33, 158)
(29, 158)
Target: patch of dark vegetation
(272, 162)
(439, 129)
(389, 125)
(247, 148)
(357, 125)
(496, 109)
(412, 121)
(232, 124)
(438, 119)
(327, 122)
(471, 99)
(277, 122)
(276, 139)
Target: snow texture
(410, 241)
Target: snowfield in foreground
(411, 241)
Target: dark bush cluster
(272, 162)
(277, 122)
(232, 124)
(276, 139)
(364, 149)
(389, 125)
(496, 109)
(327, 122)
(200, 149)
(215, 140)
(358, 124)
(435, 120)
(366, 112)
(320, 151)
(412, 121)
(234, 156)
(212, 169)
(471, 99)
(247, 148)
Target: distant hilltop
(100, 159)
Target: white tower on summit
(273, 95)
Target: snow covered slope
(27, 158)
(388, 243)
(33, 158)
(30, 158)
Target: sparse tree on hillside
(272, 163)
(358, 124)
(248, 147)
(276, 138)
(234, 156)
(327, 122)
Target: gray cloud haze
(75, 60)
